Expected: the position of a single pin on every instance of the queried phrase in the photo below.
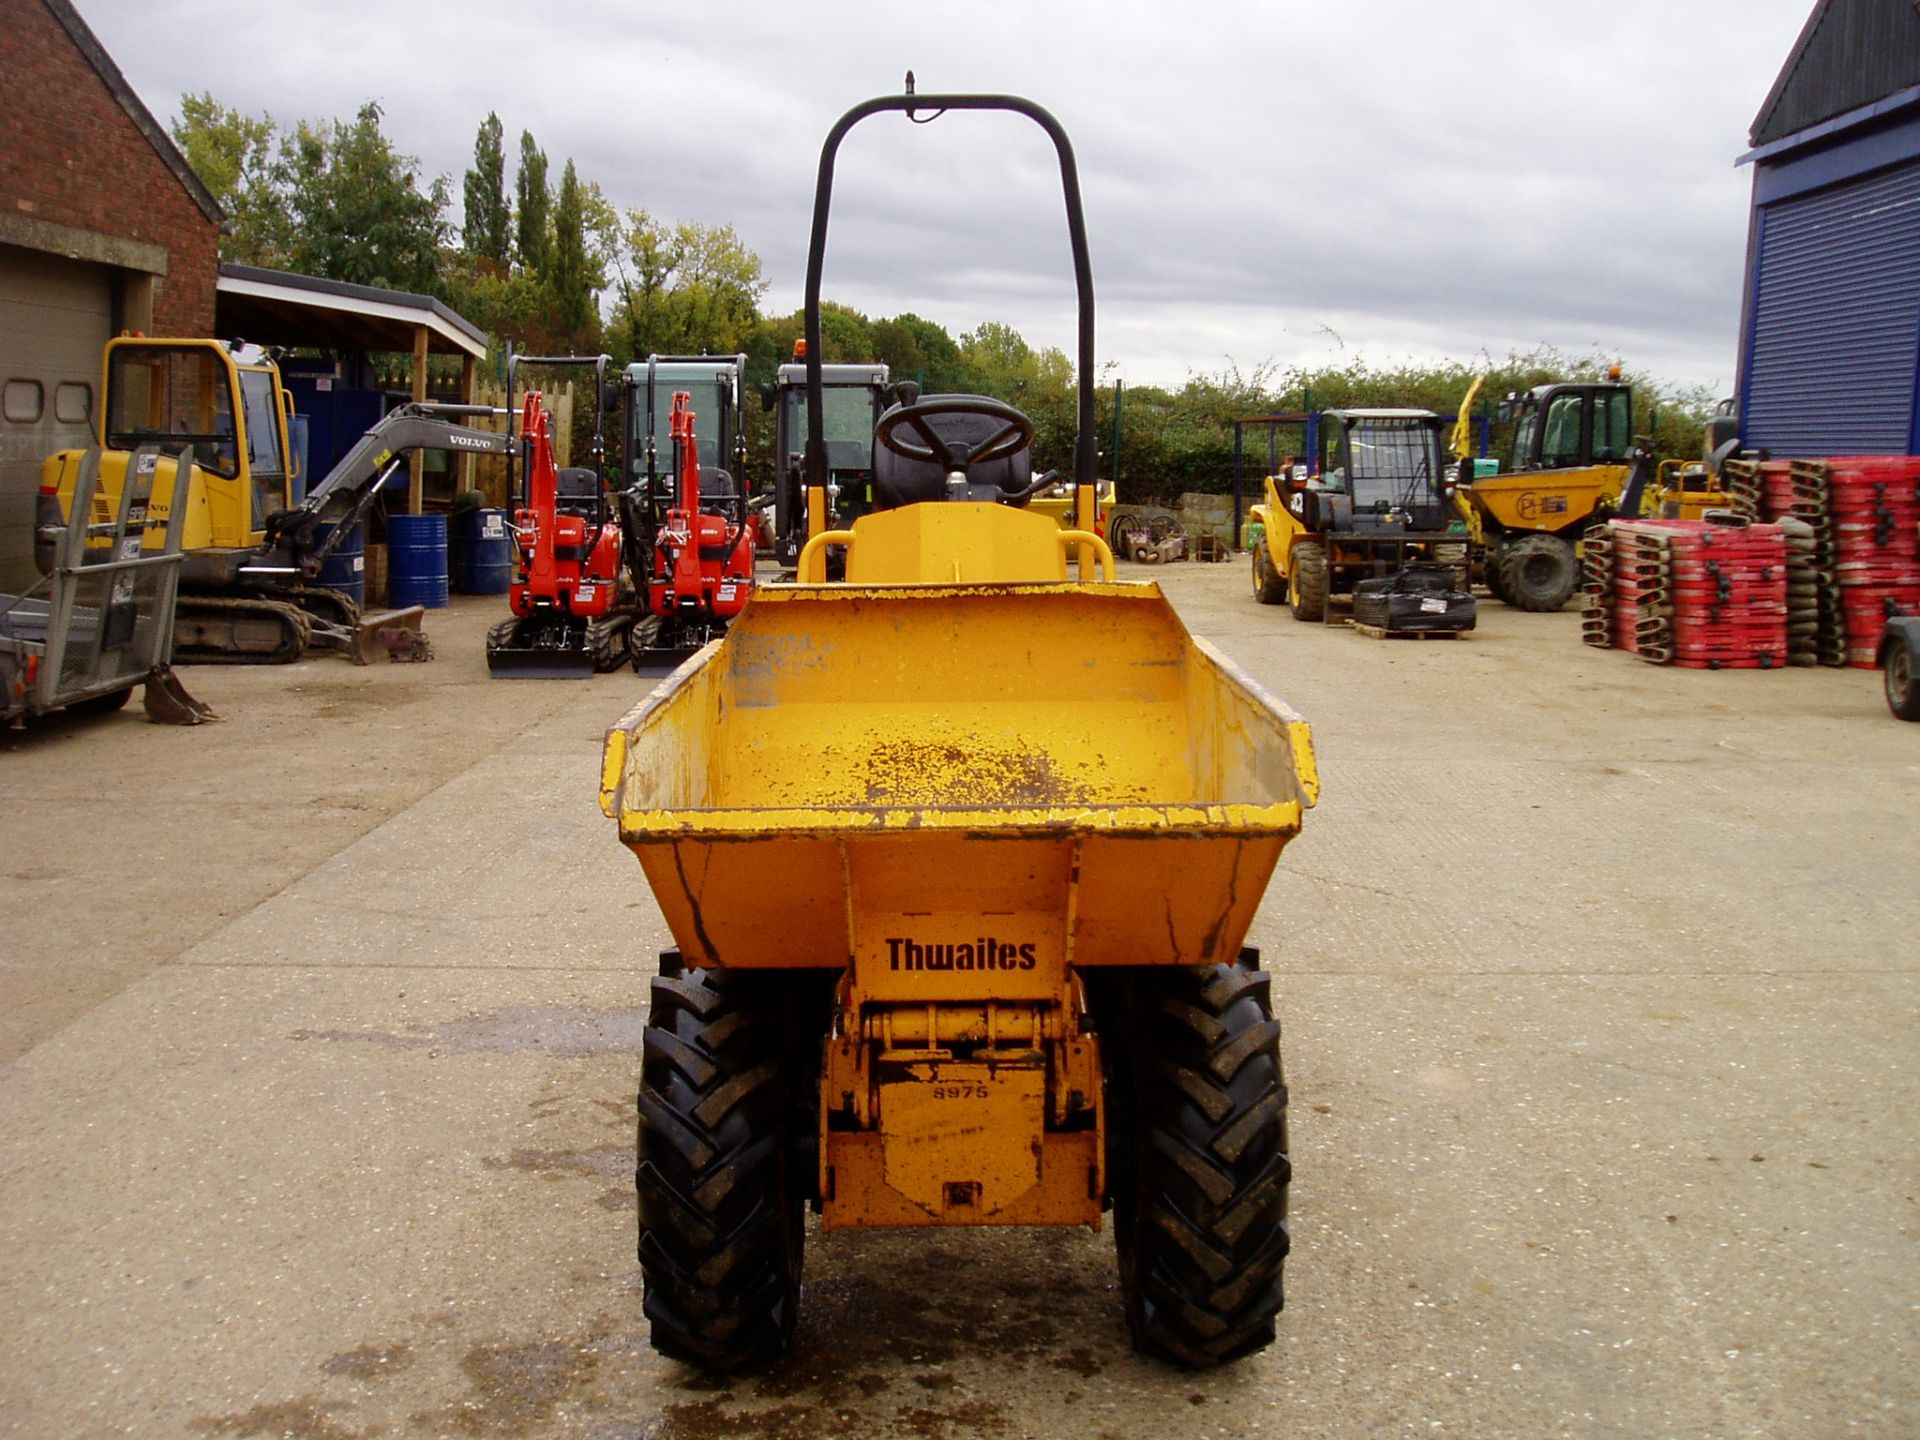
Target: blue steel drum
(482, 553)
(417, 561)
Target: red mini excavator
(568, 621)
(702, 569)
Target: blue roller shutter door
(1836, 320)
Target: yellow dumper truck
(959, 852)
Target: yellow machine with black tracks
(959, 850)
(248, 586)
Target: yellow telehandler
(1003, 981)
(1572, 454)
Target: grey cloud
(1425, 180)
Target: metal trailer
(101, 621)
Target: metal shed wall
(1830, 353)
(1835, 331)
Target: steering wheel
(1014, 434)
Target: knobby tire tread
(1200, 1170)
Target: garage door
(1836, 319)
(55, 315)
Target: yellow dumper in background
(959, 850)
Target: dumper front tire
(1493, 568)
(1199, 1166)
(721, 1199)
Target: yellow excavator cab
(231, 414)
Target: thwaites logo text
(985, 953)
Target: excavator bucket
(168, 703)
(397, 633)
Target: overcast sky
(1282, 182)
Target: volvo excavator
(248, 591)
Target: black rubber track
(721, 1178)
(1198, 1165)
(191, 611)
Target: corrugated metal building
(1830, 329)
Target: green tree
(234, 156)
(687, 288)
(917, 349)
(358, 212)
(573, 277)
(535, 204)
(489, 222)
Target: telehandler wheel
(1493, 573)
(1269, 585)
(721, 1181)
(1198, 1162)
(1539, 573)
(1307, 580)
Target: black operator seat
(577, 489)
(899, 481)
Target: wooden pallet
(1380, 632)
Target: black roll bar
(1086, 455)
(599, 363)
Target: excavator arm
(343, 498)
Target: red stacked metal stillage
(1875, 502)
(1864, 513)
(1699, 595)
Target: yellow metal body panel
(1685, 490)
(1548, 501)
(958, 542)
(985, 1114)
(1040, 757)
(1067, 1191)
(1280, 525)
(214, 509)
(963, 1134)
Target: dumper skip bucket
(1056, 766)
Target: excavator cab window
(266, 467)
(172, 395)
(707, 399)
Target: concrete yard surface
(1598, 980)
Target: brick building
(103, 228)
